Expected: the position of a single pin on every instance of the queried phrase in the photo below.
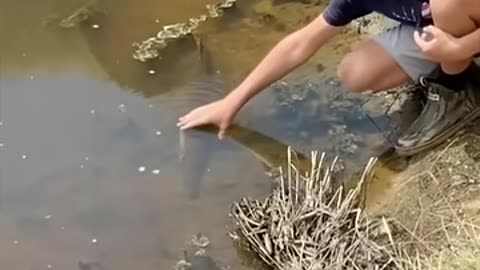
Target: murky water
(90, 167)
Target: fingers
(418, 38)
(182, 120)
(222, 130)
(435, 31)
(221, 133)
(422, 40)
(191, 124)
(190, 121)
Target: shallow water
(81, 119)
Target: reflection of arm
(470, 44)
(288, 54)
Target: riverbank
(435, 203)
(432, 201)
(435, 200)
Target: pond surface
(91, 160)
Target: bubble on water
(82, 166)
(49, 266)
(121, 107)
(1, 124)
(156, 171)
(150, 106)
(141, 169)
(209, 170)
(151, 71)
(48, 217)
(62, 228)
(95, 26)
(24, 157)
(2, 145)
(86, 158)
(157, 21)
(15, 242)
(32, 77)
(24, 54)
(158, 132)
(94, 241)
(92, 111)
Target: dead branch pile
(149, 48)
(308, 224)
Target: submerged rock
(342, 140)
(150, 48)
(200, 260)
(75, 18)
(200, 241)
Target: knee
(443, 11)
(440, 8)
(351, 74)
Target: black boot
(409, 106)
(446, 112)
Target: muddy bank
(449, 176)
(435, 204)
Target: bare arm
(291, 52)
(288, 54)
(470, 44)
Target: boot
(411, 103)
(445, 113)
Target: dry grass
(440, 232)
(307, 223)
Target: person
(434, 44)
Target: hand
(218, 113)
(439, 45)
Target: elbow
(302, 44)
(297, 49)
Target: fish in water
(197, 146)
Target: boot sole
(411, 151)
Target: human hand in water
(218, 113)
(439, 45)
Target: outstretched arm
(293, 51)
(288, 54)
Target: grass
(308, 223)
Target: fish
(196, 147)
(272, 153)
(205, 84)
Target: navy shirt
(410, 12)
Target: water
(90, 152)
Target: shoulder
(342, 12)
(347, 3)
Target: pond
(94, 172)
